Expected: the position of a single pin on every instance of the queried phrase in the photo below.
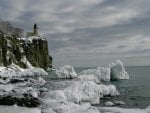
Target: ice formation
(115, 71)
(102, 73)
(88, 78)
(118, 71)
(83, 91)
(66, 71)
(14, 70)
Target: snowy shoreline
(75, 95)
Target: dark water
(135, 92)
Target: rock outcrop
(26, 53)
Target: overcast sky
(87, 32)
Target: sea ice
(118, 71)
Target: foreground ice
(15, 71)
(66, 71)
(57, 106)
(118, 71)
(17, 109)
(83, 91)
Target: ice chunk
(118, 71)
(109, 103)
(86, 91)
(66, 71)
(109, 90)
(88, 78)
(119, 102)
(102, 73)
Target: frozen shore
(75, 95)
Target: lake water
(135, 92)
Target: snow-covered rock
(118, 71)
(66, 71)
(15, 71)
(102, 73)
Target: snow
(56, 106)
(26, 62)
(102, 73)
(31, 38)
(66, 71)
(118, 71)
(14, 70)
(17, 109)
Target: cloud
(86, 31)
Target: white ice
(102, 73)
(15, 71)
(66, 71)
(118, 71)
(83, 91)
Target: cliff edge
(24, 52)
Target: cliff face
(24, 53)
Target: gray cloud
(87, 33)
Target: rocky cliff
(24, 52)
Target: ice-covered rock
(119, 102)
(56, 106)
(88, 78)
(83, 91)
(118, 71)
(109, 90)
(65, 72)
(15, 71)
(102, 73)
(109, 103)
